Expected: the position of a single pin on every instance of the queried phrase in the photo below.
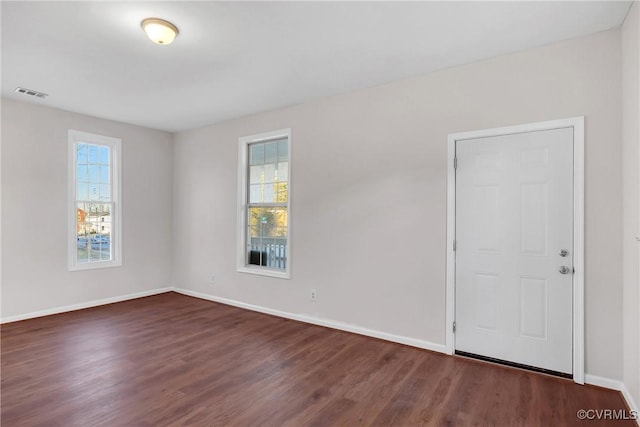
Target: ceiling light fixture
(159, 30)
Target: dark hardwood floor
(172, 360)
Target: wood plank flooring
(172, 360)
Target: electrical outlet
(314, 295)
(212, 279)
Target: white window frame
(243, 167)
(76, 137)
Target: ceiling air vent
(31, 92)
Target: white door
(514, 235)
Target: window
(264, 205)
(94, 201)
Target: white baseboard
(83, 305)
(632, 404)
(614, 385)
(603, 382)
(427, 345)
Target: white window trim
(243, 164)
(115, 144)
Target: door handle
(564, 270)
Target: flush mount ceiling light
(159, 30)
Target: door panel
(514, 213)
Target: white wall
(34, 209)
(369, 192)
(631, 197)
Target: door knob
(563, 252)
(564, 270)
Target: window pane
(105, 254)
(282, 225)
(101, 241)
(269, 193)
(283, 171)
(94, 192)
(82, 151)
(94, 173)
(270, 222)
(104, 174)
(105, 221)
(267, 240)
(283, 154)
(271, 152)
(269, 173)
(282, 195)
(255, 175)
(82, 191)
(82, 174)
(255, 193)
(93, 154)
(104, 155)
(81, 222)
(256, 154)
(263, 220)
(105, 192)
(82, 253)
(93, 228)
(254, 231)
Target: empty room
(230, 213)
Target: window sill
(95, 265)
(261, 271)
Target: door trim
(577, 123)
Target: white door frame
(577, 123)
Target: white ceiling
(232, 59)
